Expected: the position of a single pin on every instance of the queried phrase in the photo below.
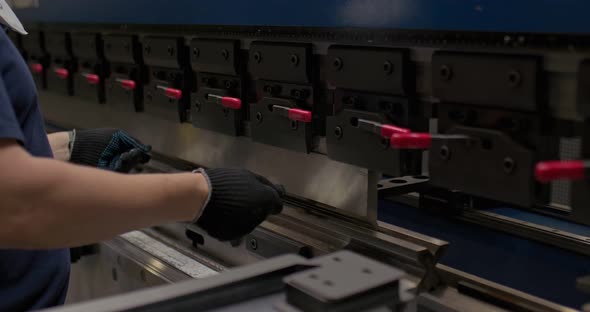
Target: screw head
(514, 78)
(257, 57)
(253, 244)
(225, 112)
(196, 52)
(229, 84)
(296, 93)
(197, 106)
(445, 72)
(508, 164)
(445, 152)
(294, 59)
(225, 54)
(147, 49)
(294, 124)
(259, 117)
(337, 63)
(170, 51)
(388, 67)
(338, 132)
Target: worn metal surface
(312, 176)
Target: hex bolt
(259, 117)
(509, 165)
(296, 93)
(446, 73)
(253, 244)
(294, 60)
(225, 54)
(514, 78)
(257, 57)
(387, 67)
(338, 132)
(445, 152)
(337, 63)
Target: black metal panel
(268, 244)
(59, 84)
(121, 48)
(164, 51)
(584, 88)
(348, 143)
(121, 98)
(503, 81)
(33, 43)
(210, 115)
(492, 165)
(87, 46)
(58, 44)
(288, 62)
(268, 127)
(369, 69)
(85, 89)
(215, 56)
(156, 102)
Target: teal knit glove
(110, 149)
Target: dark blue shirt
(39, 278)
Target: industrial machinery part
(351, 107)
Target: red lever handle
(412, 140)
(299, 115)
(226, 101)
(37, 68)
(126, 84)
(92, 78)
(388, 130)
(547, 171)
(62, 73)
(171, 92)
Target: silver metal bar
(528, 302)
(312, 176)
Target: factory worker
(55, 193)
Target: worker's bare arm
(46, 203)
(59, 142)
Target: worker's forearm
(59, 142)
(64, 205)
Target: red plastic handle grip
(547, 171)
(413, 140)
(299, 115)
(92, 78)
(172, 93)
(127, 84)
(62, 73)
(388, 130)
(230, 102)
(36, 68)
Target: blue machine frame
(536, 16)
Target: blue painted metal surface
(556, 16)
(541, 270)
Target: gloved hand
(110, 149)
(238, 202)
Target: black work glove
(238, 202)
(110, 149)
